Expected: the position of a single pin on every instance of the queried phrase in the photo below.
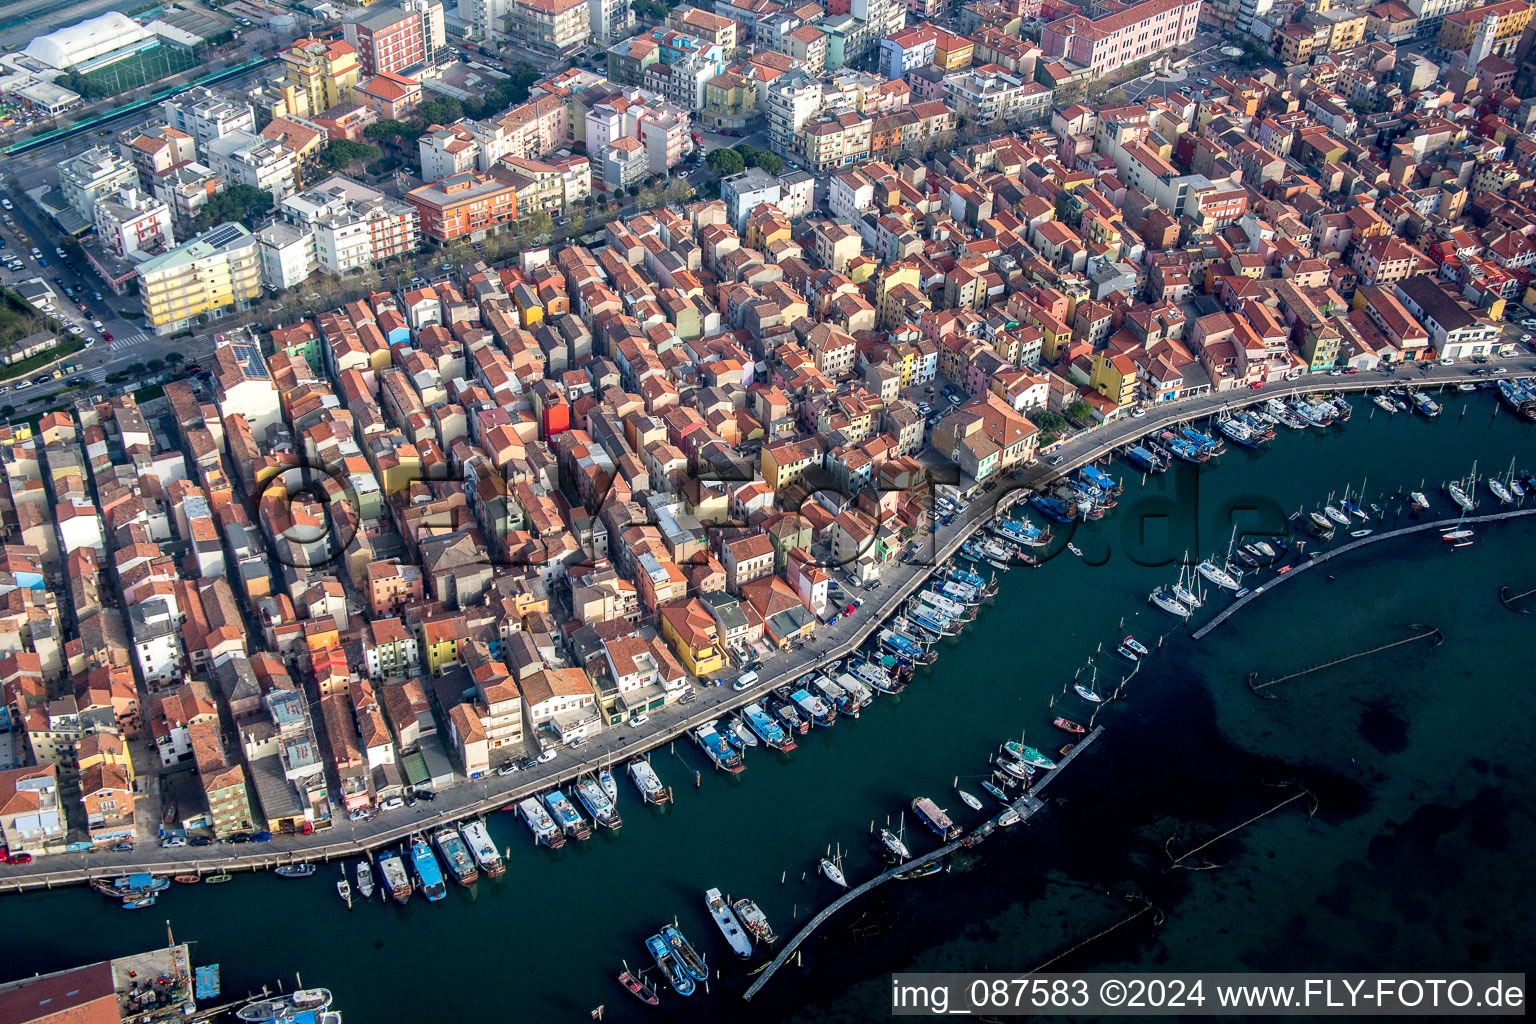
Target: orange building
(470, 203)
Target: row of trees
(446, 109)
(243, 203)
(339, 154)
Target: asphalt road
(666, 726)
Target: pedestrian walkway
(130, 341)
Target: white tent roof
(86, 40)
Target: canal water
(1419, 760)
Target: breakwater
(1344, 549)
(1026, 806)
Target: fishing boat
(895, 845)
(875, 675)
(606, 780)
(597, 804)
(478, 839)
(1168, 603)
(132, 886)
(779, 703)
(396, 879)
(862, 695)
(428, 872)
(294, 871)
(1217, 575)
(545, 831)
(755, 921)
(648, 782)
(970, 801)
(1418, 500)
(1383, 402)
(1136, 645)
(932, 815)
(1336, 515)
(770, 732)
(994, 790)
(1142, 459)
(286, 1007)
(1053, 509)
(566, 816)
(718, 750)
(1424, 405)
(1067, 725)
(344, 888)
(725, 919)
(931, 867)
(456, 856)
(834, 872)
(685, 953)
(140, 903)
(1087, 693)
(1009, 817)
(903, 647)
(840, 699)
(639, 989)
(1520, 398)
(676, 976)
(745, 737)
(1029, 755)
(813, 707)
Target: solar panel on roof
(251, 362)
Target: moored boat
(718, 750)
(755, 921)
(894, 844)
(566, 816)
(294, 870)
(834, 872)
(545, 831)
(1168, 603)
(456, 856)
(639, 989)
(606, 780)
(996, 791)
(1217, 575)
(671, 969)
(1419, 501)
(1131, 643)
(428, 872)
(364, 874)
(648, 782)
(187, 879)
(725, 919)
(1029, 755)
(597, 803)
(1087, 693)
(478, 839)
(1067, 725)
(932, 815)
(685, 953)
(1460, 496)
(969, 800)
(1336, 515)
(312, 1001)
(396, 879)
(770, 732)
(1009, 817)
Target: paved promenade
(613, 746)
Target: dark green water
(1419, 757)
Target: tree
(577, 223)
(633, 190)
(439, 111)
(770, 162)
(678, 191)
(1079, 411)
(175, 358)
(155, 365)
(340, 154)
(244, 203)
(7, 411)
(541, 224)
(725, 162)
(385, 131)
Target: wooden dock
(1438, 524)
(1026, 806)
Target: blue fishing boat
(678, 978)
(685, 953)
(713, 744)
(1020, 531)
(1144, 460)
(902, 647)
(767, 730)
(926, 621)
(428, 873)
(1205, 442)
(840, 699)
(960, 575)
(813, 707)
(1096, 477)
(780, 707)
(995, 790)
(1053, 509)
(875, 675)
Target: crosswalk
(129, 341)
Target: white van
(745, 680)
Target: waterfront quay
(480, 796)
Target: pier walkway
(1353, 545)
(476, 797)
(1026, 806)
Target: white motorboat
(364, 879)
(969, 800)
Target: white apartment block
(207, 116)
(246, 159)
(133, 226)
(96, 172)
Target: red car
(19, 858)
(106, 336)
(1256, 384)
(849, 609)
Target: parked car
(394, 803)
(200, 841)
(425, 794)
(122, 847)
(262, 837)
(172, 842)
(19, 857)
(548, 755)
(638, 720)
(106, 336)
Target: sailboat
(833, 869)
(895, 845)
(609, 786)
(1217, 575)
(1165, 600)
(969, 800)
(1185, 595)
(344, 888)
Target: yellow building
(784, 464)
(908, 365)
(952, 52)
(326, 71)
(1510, 18)
(729, 100)
(691, 630)
(887, 312)
(217, 271)
(1346, 28)
(1114, 377)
